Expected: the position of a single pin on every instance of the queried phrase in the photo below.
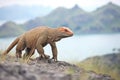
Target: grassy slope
(107, 64)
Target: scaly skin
(38, 38)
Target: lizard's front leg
(54, 50)
(40, 50)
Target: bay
(78, 47)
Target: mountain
(10, 29)
(75, 18)
(108, 17)
(17, 12)
(105, 19)
(58, 17)
(106, 64)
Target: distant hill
(17, 12)
(10, 29)
(105, 19)
(61, 17)
(107, 64)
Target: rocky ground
(43, 69)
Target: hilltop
(45, 70)
(105, 19)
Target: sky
(88, 5)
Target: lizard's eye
(66, 30)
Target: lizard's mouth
(68, 35)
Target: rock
(46, 69)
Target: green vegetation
(107, 64)
(105, 19)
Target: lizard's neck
(53, 35)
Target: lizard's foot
(43, 57)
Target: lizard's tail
(11, 46)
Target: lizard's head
(65, 32)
